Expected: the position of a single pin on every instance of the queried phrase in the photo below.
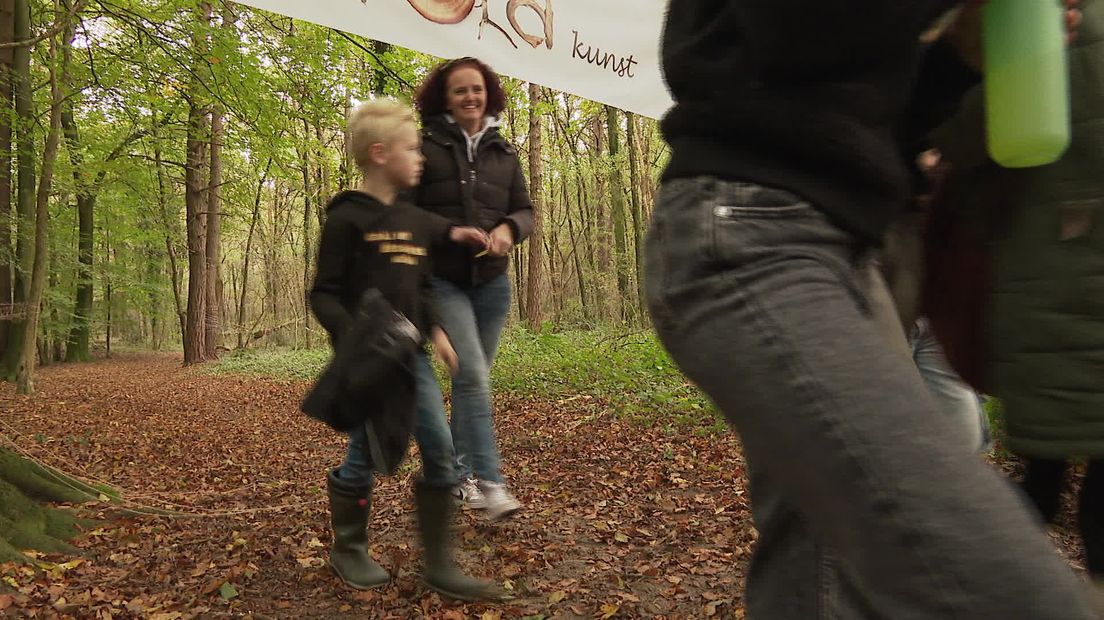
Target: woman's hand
(965, 31)
(1073, 19)
(502, 240)
(442, 349)
(470, 236)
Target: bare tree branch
(59, 25)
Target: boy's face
(403, 159)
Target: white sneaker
(497, 500)
(468, 492)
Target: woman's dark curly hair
(430, 98)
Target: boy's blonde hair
(375, 122)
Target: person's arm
(517, 224)
(941, 85)
(430, 316)
(335, 254)
(943, 79)
(442, 346)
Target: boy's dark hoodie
(367, 244)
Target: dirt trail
(621, 521)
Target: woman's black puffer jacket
(485, 192)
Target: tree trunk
(7, 32)
(586, 223)
(580, 241)
(25, 375)
(323, 180)
(212, 294)
(195, 203)
(170, 244)
(57, 345)
(519, 284)
(109, 253)
(379, 76)
(637, 214)
(551, 252)
(600, 196)
(156, 301)
(195, 208)
(617, 205)
(214, 288)
(77, 349)
(308, 216)
(347, 165)
(579, 274)
(533, 285)
(25, 196)
(248, 253)
(271, 264)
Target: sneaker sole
(502, 513)
(470, 504)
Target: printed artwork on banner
(456, 11)
(607, 51)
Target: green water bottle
(1026, 82)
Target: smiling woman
(473, 178)
(443, 11)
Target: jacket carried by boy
(483, 188)
(366, 245)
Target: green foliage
(629, 371)
(994, 411)
(283, 87)
(300, 364)
(227, 591)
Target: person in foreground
(370, 241)
(786, 167)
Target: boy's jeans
(867, 504)
(956, 400)
(431, 431)
(474, 318)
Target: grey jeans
(868, 504)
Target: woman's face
(466, 96)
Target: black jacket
(819, 98)
(369, 383)
(483, 193)
(366, 244)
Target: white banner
(605, 50)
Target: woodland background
(164, 168)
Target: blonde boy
(371, 240)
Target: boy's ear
(377, 153)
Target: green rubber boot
(435, 507)
(349, 508)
